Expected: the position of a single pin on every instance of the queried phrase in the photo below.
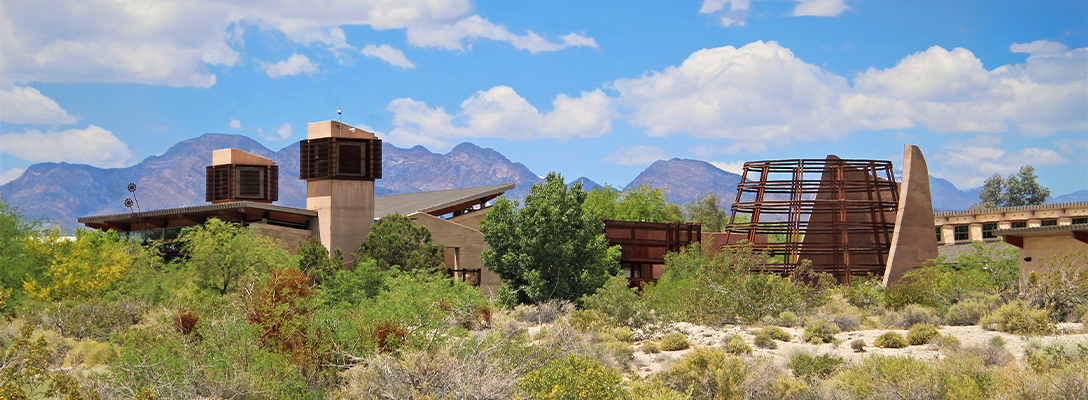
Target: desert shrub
(620, 352)
(879, 377)
(76, 269)
(866, 292)
(992, 353)
(967, 312)
(940, 283)
(221, 254)
(847, 316)
(820, 331)
(706, 374)
(544, 312)
(764, 341)
(1021, 382)
(736, 345)
(648, 389)
(820, 367)
(914, 314)
(88, 353)
(185, 322)
(1042, 358)
(620, 304)
(776, 333)
(947, 342)
(1018, 317)
(650, 348)
(352, 286)
(787, 319)
(1064, 288)
(624, 334)
(25, 372)
(96, 318)
(674, 341)
(858, 345)
(573, 377)
(589, 320)
(283, 311)
(922, 334)
(890, 340)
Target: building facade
(982, 224)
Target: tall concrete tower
(340, 163)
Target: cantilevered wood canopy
(240, 211)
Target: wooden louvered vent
(340, 158)
(238, 182)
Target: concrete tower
(340, 163)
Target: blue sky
(598, 89)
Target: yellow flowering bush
(573, 378)
(77, 269)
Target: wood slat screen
(340, 158)
(231, 182)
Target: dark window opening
(1020, 224)
(351, 159)
(938, 234)
(988, 231)
(1080, 221)
(1050, 222)
(250, 183)
(962, 233)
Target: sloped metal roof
(436, 201)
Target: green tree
(1019, 189)
(219, 253)
(315, 260)
(708, 211)
(551, 248)
(642, 203)
(396, 241)
(15, 263)
(77, 269)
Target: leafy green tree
(551, 248)
(1019, 189)
(708, 210)
(396, 241)
(77, 269)
(642, 203)
(219, 253)
(15, 263)
(315, 260)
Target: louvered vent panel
(231, 182)
(340, 158)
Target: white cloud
(171, 42)
(969, 163)
(26, 105)
(10, 175)
(95, 146)
(1038, 48)
(283, 132)
(574, 39)
(762, 93)
(294, 65)
(500, 113)
(388, 54)
(636, 155)
(236, 124)
(820, 8)
(736, 167)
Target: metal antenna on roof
(340, 120)
(132, 189)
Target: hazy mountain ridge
(61, 192)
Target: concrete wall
(472, 219)
(345, 212)
(1039, 247)
(289, 238)
(465, 242)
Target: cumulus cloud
(26, 105)
(171, 42)
(283, 132)
(236, 124)
(388, 54)
(738, 9)
(1039, 47)
(762, 93)
(636, 155)
(968, 164)
(820, 8)
(294, 65)
(500, 113)
(10, 175)
(95, 146)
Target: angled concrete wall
(914, 240)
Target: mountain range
(62, 192)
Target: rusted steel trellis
(840, 214)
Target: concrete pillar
(1065, 220)
(1035, 223)
(913, 241)
(345, 207)
(974, 231)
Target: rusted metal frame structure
(842, 221)
(645, 244)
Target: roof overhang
(1016, 236)
(194, 215)
(438, 202)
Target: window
(962, 233)
(938, 229)
(1020, 224)
(1080, 221)
(988, 231)
(1050, 222)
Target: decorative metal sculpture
(839, 214)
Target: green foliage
(674, 341)
(551, 248)
(891, 340)
(395, 240)
(619, 303)
(920, 334)
(787, 319)
(716, 289)
(220, 253)
(623, 334)
(650, 348)
(867, 292)
(573, 377)
(1063, 289)
(352, 286)
(820, 331)
(776, 333)
(314, 259)
(737, 346)
(79, 268)
(811, 368)
(1020, 189)
(284, 312)
(1018, 317)
(706, 374)
(655, 390)
(880, 377)
(763, 340)
(708, 210)
(987, 269)
(642, 203)
(967, 312)
(912, 315)
(16, 231)
(858, 345)
(96, 318)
